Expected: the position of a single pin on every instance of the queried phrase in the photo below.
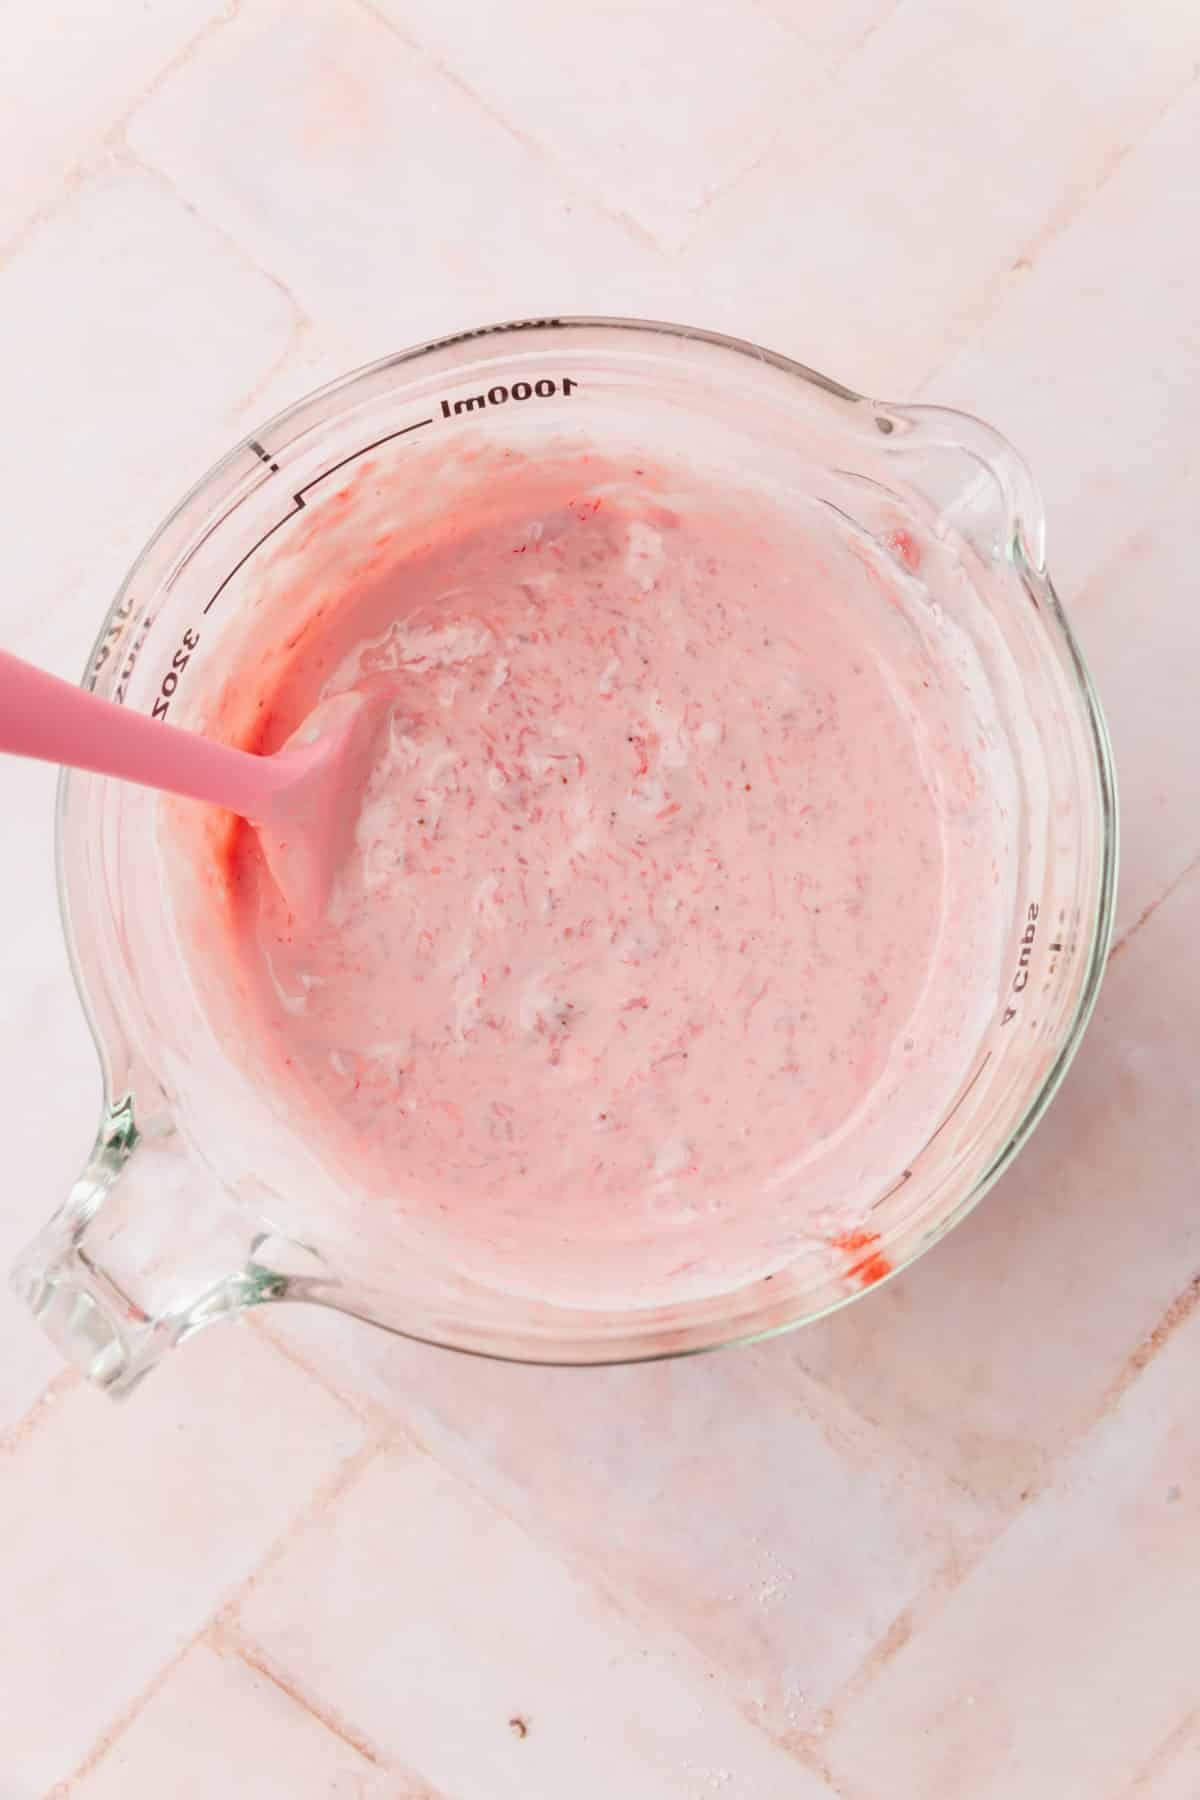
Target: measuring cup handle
(142, 1255)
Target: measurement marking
(975, 1077)
(209, 604)
(908, 1172)
(894, 1189)
(264, 455)
(299, 500)
(460, 337)
(545, 388)
(355, 454)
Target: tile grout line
(833, 70)
(225, 1635)
(528, 144)
(226, 1626)
(181, 57)
(915, 1617)
(903, 1628)
(937, 1593)
(1097, 576)
(1148, 911)
(112, 149)
(116, 1727)
(388, 1431)
(1161, 1758)
(918, 1455)
(324, 1494)
(1048, 234)
(393, 1436)
(300, 325)
(17, 1435)
(91, 160)
(813, 1755)
(1177, 1313)
(837, 63)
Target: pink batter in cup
(729, 880)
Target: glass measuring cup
(200, 1199)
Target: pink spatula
(300, 799)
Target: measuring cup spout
(977, 483)
(140, 1256)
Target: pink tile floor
(945, 1546)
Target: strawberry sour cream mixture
(675, 898)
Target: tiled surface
(137, 331)
(68, 87)
(711, 91)
(216, 1718)
(917, 184)
(1090, 363)
(778, 1530)
(394, 205)
(1067, 1655)
(944, 1545)
(487, 1659)
(123, 1528)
